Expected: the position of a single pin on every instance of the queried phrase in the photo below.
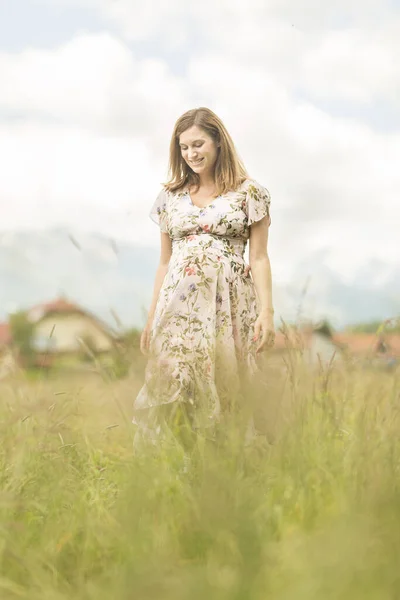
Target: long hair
(230, 171)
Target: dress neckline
(214, 199)
(200, 207)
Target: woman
(205, 330)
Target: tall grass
(310, 510)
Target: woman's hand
(264, 326)
(145, 339)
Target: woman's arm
(261, 273)
(165, 255)
(260, 265)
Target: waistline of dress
(234, 246)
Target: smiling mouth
(197, 162)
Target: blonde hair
(230, 171)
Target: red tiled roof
(364, 343)
(355, 343)
(39, 311)
(60, 305)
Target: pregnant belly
(205, 255)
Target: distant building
(314, 343)
(62, 328)
(317, 344)
(370, 346)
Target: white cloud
(72, 178)
(79, 81)
(95, 121)
(142, 20)
(93, 81)
(159, 16)
(315, 14)
(139, 21)
(354, 64)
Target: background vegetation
(309, 510)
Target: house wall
(322, 346)
(67, 331)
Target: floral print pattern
(201, 349)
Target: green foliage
(309, 513)
(386, 326)
(22, 331)
(120, 363)
(131, 338)
(89, 349)
(125, 358)
(325, 328)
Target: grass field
(312, 512)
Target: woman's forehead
(193, 134)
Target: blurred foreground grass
(313, 513)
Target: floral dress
(201, 351)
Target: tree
(22, 337)
(387, 326)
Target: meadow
(311, 509)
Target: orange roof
(364, 343)
(295, 337)
(60, 305)
(356, 343)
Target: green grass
(311, 512)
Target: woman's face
(198, 150)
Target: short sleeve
(158, 212)
(258, 200)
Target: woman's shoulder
(172, 191)
(252, 184)
(254, 187)
(244, 185)
(250, 181)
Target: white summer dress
(201, 350)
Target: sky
(310, 93)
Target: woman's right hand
(145, 339)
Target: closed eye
(196, 146)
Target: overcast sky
(91, 89)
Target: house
(61, 328)
(365, 344)
(314, 343)
(317, 343)
(368, 347)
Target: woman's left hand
(264, 332)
